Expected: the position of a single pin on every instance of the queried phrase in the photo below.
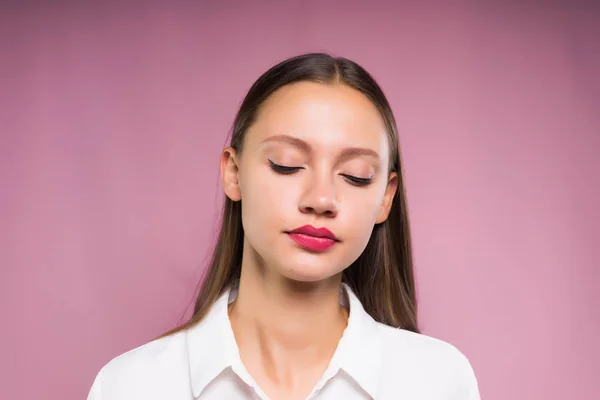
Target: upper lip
(316, 232)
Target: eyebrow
(348, 152)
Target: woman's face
(317, 156)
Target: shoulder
(420, 348)
(137, 371)
(427, 361)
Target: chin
(309, 273)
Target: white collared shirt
(372, 361)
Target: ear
(229, 174)
(388, 198)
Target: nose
(319, 198)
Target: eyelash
(282, 169)
(285, 170)
(356, 181)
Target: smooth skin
(317, 154)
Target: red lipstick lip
(313, 239)
(310, 230)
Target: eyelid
(359, 169)
(274, 164)
(283, 169)
(357, 180)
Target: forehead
(326, 116)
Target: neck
(274, 317)
(295, 315)
(286, 331)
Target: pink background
(113, 119)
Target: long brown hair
(382, 276)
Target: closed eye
(283, 169)
(356, 181)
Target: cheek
(271, 198)
(359, 211)
(363, 203)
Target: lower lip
(312, 243)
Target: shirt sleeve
(473, 384)
(474, 394)
(95, 392)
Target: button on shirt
(372, 361)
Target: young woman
(310, 292)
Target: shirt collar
(212, 347)
(359, 351)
